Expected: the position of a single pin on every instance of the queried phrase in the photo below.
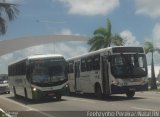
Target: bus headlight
(34, 89)
(115, 82)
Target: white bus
(113, 70)
(39, 76)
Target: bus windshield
(45, 71)
(128, 65)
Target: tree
(8, 12)
(149, 47)
(103, 37)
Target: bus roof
(115, 48)
(44, 56)
(90, 53)
(38, 56)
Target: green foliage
(148, 47)
(7, 11)
(103, 37)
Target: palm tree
(148, 47)
(8, 12)
(103, 37)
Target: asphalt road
(79, 106)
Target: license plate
(132, 89)
(51, 94)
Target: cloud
(129, 38)
(66, 31)
(90, 7)
(148, 7)
(155, 35)
(67, 49)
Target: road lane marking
(88, 100)
(144, 109)
(82, 100)
(16, 103)
(28, 108)
(47, 115)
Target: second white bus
(113, 70)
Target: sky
(136, 21)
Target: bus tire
(130, 94)
(98, 91)
(58, 97)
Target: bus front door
(105, 76)
(77, 76)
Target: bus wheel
(98, 92)
(130, 94)
(58, 96)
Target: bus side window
(29, 71)
(16, 70)
(89, 64)
(70, 67)
(96, 62)
(140, 61)
(83, 65)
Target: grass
(158, 89)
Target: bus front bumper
(49, 94)
(123, 89)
